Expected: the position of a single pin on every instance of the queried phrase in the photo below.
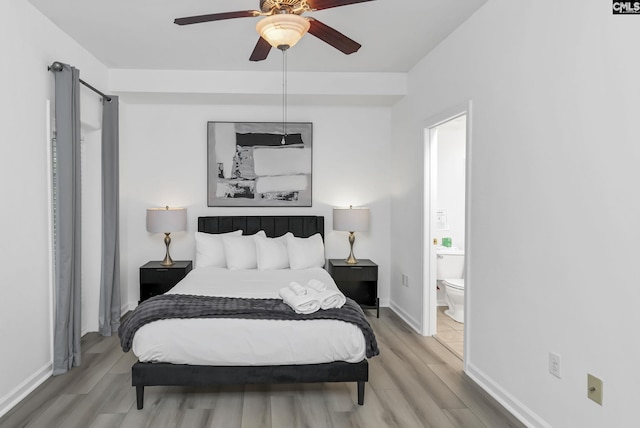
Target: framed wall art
(250, 164)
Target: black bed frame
(165, 374)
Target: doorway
(446, 229)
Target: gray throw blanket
(188, 306)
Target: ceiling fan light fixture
(283, 29)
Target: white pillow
(241, 251)
(305, 253)
(209, 249)
(272, 253)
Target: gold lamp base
(351, 259)
(167, 258)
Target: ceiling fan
(282, 25)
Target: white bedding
(238, 342)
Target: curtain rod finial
(56, 66)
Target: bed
(202, 365)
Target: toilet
(450, 276)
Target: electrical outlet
(594, 388)
(405, 280)
(554, 365)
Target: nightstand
(359, 281)
(157, 279)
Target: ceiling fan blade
(216, 17)
(261, 50)
(333, 37)
(326, 4)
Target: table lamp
(351, 220)
(166, 220)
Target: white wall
(163, 162)
(554, 217)
(451, 143)
(29, 44)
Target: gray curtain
(110, 277)
(66, 339)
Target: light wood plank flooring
(414, 382)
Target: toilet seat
(457, 283)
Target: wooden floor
(414, 382)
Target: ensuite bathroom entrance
(445, 246)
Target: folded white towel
(316, 285)
(298, 289)
(330, 299)
(304, 304)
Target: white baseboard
(515, 407)
(417, 326)
(25, 388)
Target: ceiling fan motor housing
(284, 6)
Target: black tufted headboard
(301, 226)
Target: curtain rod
(57, 66)
(106, 97)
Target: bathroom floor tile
(449, 336)
(450, 333)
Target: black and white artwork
(252, 164)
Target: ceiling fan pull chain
(285, 91)
(284, 95)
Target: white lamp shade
(351, 219)
(166, 220)
(282, 29)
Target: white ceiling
(140, 34)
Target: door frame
(429, 311)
